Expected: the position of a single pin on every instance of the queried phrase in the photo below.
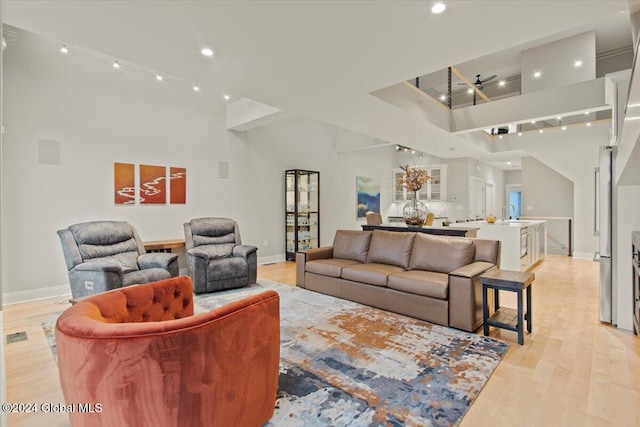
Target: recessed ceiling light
(469, 91)
(519, 133)
(206, 52)
(578, 63)
(159, 77)
(226, 97)
(586, 113)
(500, 137)
(196, 88)
(64, 49)
(443, 97)
(508, 163)
(537, 74)
(564, 128)
(116, 64)
(397, 147)
(413, 151)
(588, 123)
(438, 8)
(559, 117)
(541, 130)
(533, 122)
(502, 83)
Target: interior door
(477, 198)
(491, 200)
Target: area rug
(346, 364)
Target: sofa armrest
(465, 296)
(473, 269)
(104, 266)
(319, 253)
(156, 260)
(325, 252)
(244, 251)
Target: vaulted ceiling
(319, 59)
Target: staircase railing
(559, 231)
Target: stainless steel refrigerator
(604, 228)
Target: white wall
(545, 191)
(574, 154)
(101, 116)
(513, 177)
(3, 371)
(548, 194)
(556, 62)
(300, 143)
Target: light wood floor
(572, 370)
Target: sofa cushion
(370, 273)
(328, 267)
(441, 254)
(393, 248)
(351, 244)
(419, 282)
(487, 250)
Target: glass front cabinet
(302, 211)
(434, 190)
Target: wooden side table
(506, 318)
(163, 245)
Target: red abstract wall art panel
(124, 190)
(153, 184)
(178, 186)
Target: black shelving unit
(302, 207)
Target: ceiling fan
(480, 82)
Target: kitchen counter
(524, 242)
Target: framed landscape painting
(367, 195)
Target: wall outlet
(455, 198)
(265, 243)
(529, 208)
(88, 285)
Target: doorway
(514, 200)
(491, 199)
(477, 198)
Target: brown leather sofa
(147, 360)
(433, 278)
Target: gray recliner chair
(216, 257)
(104, 255)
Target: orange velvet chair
(142, 354)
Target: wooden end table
(507, 318)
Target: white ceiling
(319, 59)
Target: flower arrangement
(414, 177)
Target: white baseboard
(583, 255)
(36, 294)
(3, 376)
(270, 259)
(61, 290)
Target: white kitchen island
(524, 242)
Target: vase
(415, 212)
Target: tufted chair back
(142, 354)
